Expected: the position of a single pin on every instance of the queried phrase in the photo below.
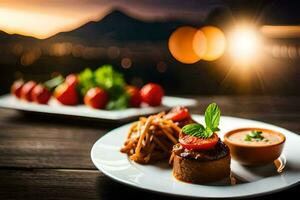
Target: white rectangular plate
(9, 101)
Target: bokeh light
(126, 63)
(276, 51)
(284, 51)
(216, 43)
(17, 49)
(77, 50)
(200, 43)
(93, 52)
(244, 44)
(61, 49)
(292, 51)
(30, 56)
(181, 45)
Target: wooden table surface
(49, 158)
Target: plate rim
(142, 187)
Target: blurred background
(207, 47)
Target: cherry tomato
(152, 94)
(66, 94)
(71, 80)
(26, 90)
(196, 143)
(96, 98)
(135, 96)
(40, 94)
(16, 88)
(178, 113)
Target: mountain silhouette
(115, 27)
(5, 37)
(120, 27)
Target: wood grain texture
(49, 157)
(65, 184)
(51, 184)
(37, 144)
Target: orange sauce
(268, 138)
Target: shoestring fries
(151, 139)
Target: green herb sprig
(212, 119)
(255, 134)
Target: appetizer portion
(104, 88)
(151, 139)
(254, 146)
(200, 156)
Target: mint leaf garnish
(212, 119)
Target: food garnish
(212, 118)
(254, 134)
(195, 143)
(196, 136)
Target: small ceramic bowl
(254, 155)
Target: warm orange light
(216, 43)
(39, 25)
(29, 19)
(200, 43)
(181, 45)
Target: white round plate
(107, 157)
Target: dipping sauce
(254, 146)
(255, 137)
